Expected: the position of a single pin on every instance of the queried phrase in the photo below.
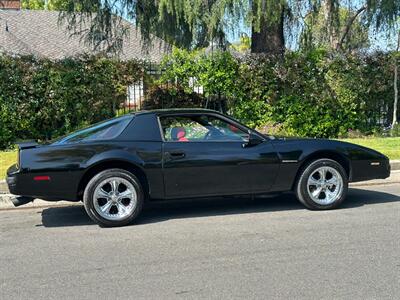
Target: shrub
(179, 67)
(314, 94)
(171, 96)
(271, 128)
(42, 99)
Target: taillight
(41, 178)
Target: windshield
(101, 131)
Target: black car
(115, 166)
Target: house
(39, 33)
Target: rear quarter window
(102, 131)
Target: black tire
(89, 199)
(302, 187)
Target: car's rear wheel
(113, 197)
(322, 184)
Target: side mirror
(254, 140)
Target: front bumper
(370, 169)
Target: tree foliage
(342, 17)
(184, 23)
(44, 4)
(195, 23)
(243, 45)
(316, 32)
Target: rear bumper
(12, 182)
(58, 186)
(12, 179)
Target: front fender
(295, 153)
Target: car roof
(175, 111)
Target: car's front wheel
(322, 184)
(113, 197)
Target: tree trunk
(396, 91)
(347, 28)
(270, 39)
(396, 95)
(331, 17)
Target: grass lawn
(388, 146)
(7, 158)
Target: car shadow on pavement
(60, 216)
(163, 211)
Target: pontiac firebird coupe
(117, 165)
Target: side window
(101, 131)
(182, 129)
(228, 130)
(200, 128)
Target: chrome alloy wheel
(325, 185)
(115, 198)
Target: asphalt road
(228, 248)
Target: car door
(204, 155)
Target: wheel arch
(328, 154)
(113, 164)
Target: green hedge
(43, 99)
(306, 94)
(321, 96)
(171, 96)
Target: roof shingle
(38, 32)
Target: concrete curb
(395, 165)
(3, 187)
(6, 203)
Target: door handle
(176, 154)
